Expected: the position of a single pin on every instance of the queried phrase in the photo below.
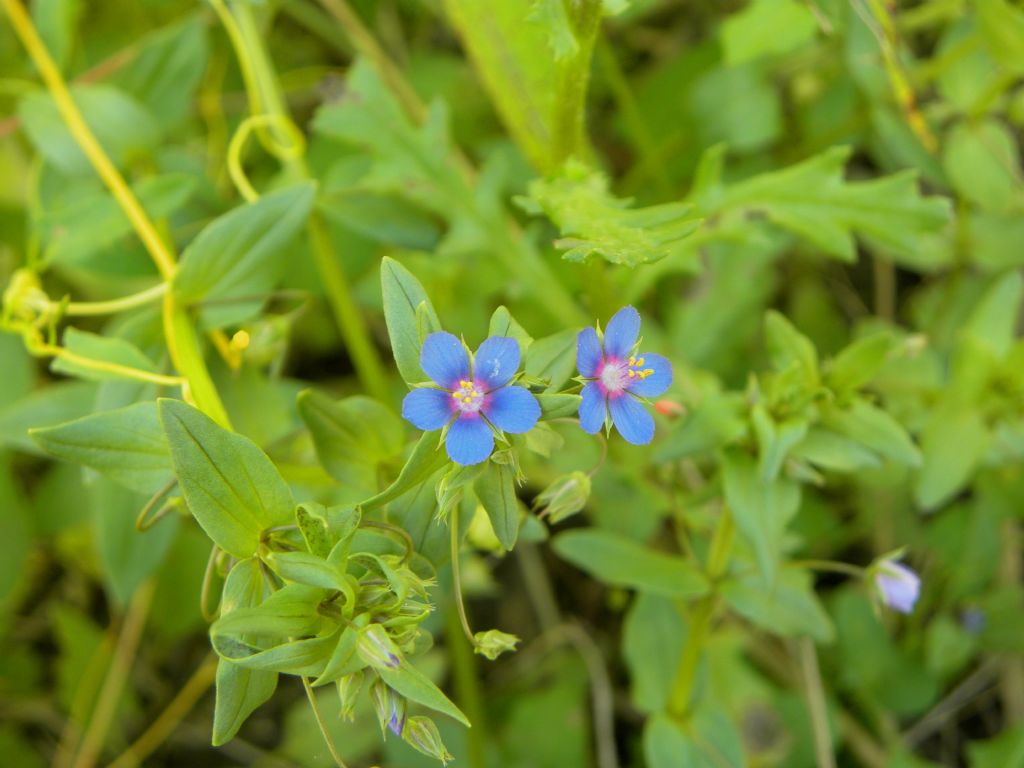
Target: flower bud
(348, 690)
(493, 643)
(390, 707)
(669, 408)
(895, 585)
(377, 649)
(421, 733)
(564, 497)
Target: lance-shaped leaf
(230, 485)
(813, 200)
(127, 445)
(593, 222)
(405, 304)
(240, 690)
(622, 562)
(496, 489)
(416, 686)
(236, 260)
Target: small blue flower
(617, 376)
(896, 585)
(472, 397)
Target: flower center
(616, 376)
(468, 397)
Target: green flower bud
(421, 733)
(493, 643)
(564, 497)
(390, 707)
(348, 690)
(377, 649)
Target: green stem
(815, 692)
(265, 96)
(681, 692)
(833, 566)
(568, 136)
(453, 522)
(113, 306)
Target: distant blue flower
(896, 585)
(474, 396)
(618, 376)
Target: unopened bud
(390, 707)
(348, 690)
(421, 733)
(669, 408)
(564, 497)
(377, 649)
(493, 643)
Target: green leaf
(552, 16)
(788, 606)
(775, 440)
(761, 509)
(56, 21)
(353, 437)
(124, 128)
(503, 324)
(306, 568)
(709, 740)
(239, 256)
(240, 690)
(993, 320)
(790, 348)
(592, 222)
(1002, 29)
(307, 657)
(426, 459)
(653, 633)
(952, 445)
(813, 200)
(103, 349)
(403, 297)
(622, 562)
(856, 365)
(982, 162)
(416, 686)
(52, 405)
(1001, 751)
(831, 450)
(556, 406)
(496, 489)
(552, 359)
(313, 524)
(766, 28)
(127, 445)
(874, 428)
(231, 487)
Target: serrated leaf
(813, 200)
(622, 562)
(104, 349)
(404, 302)
(238, 256)
(127, 445)
(231, 487)
(496, 490)
(593, 222)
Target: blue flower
(472, 397)
(896, 585)
(617, 376)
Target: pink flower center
(468, 398)
(616, 376)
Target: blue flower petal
(592, 408)
(428, 409)
(632, 420)
(621, 334)
(512, 409)
(444, 359)
(657, 382)
(588, 353)
(496, 361)
(469, 440)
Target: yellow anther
(640, 361)
(631, 374)
(632, 360)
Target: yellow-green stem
(568, 135)
(681, 694)
(113, 306)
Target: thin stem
(700, 621)
(467, 688)
(85, 138)
(815, 691)
(453, 522)
(113, 368)
(117, 675)
(832, 566)
(113, 306)
(407, 542)
(885, 287)
(320, 723)
(161, 728)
